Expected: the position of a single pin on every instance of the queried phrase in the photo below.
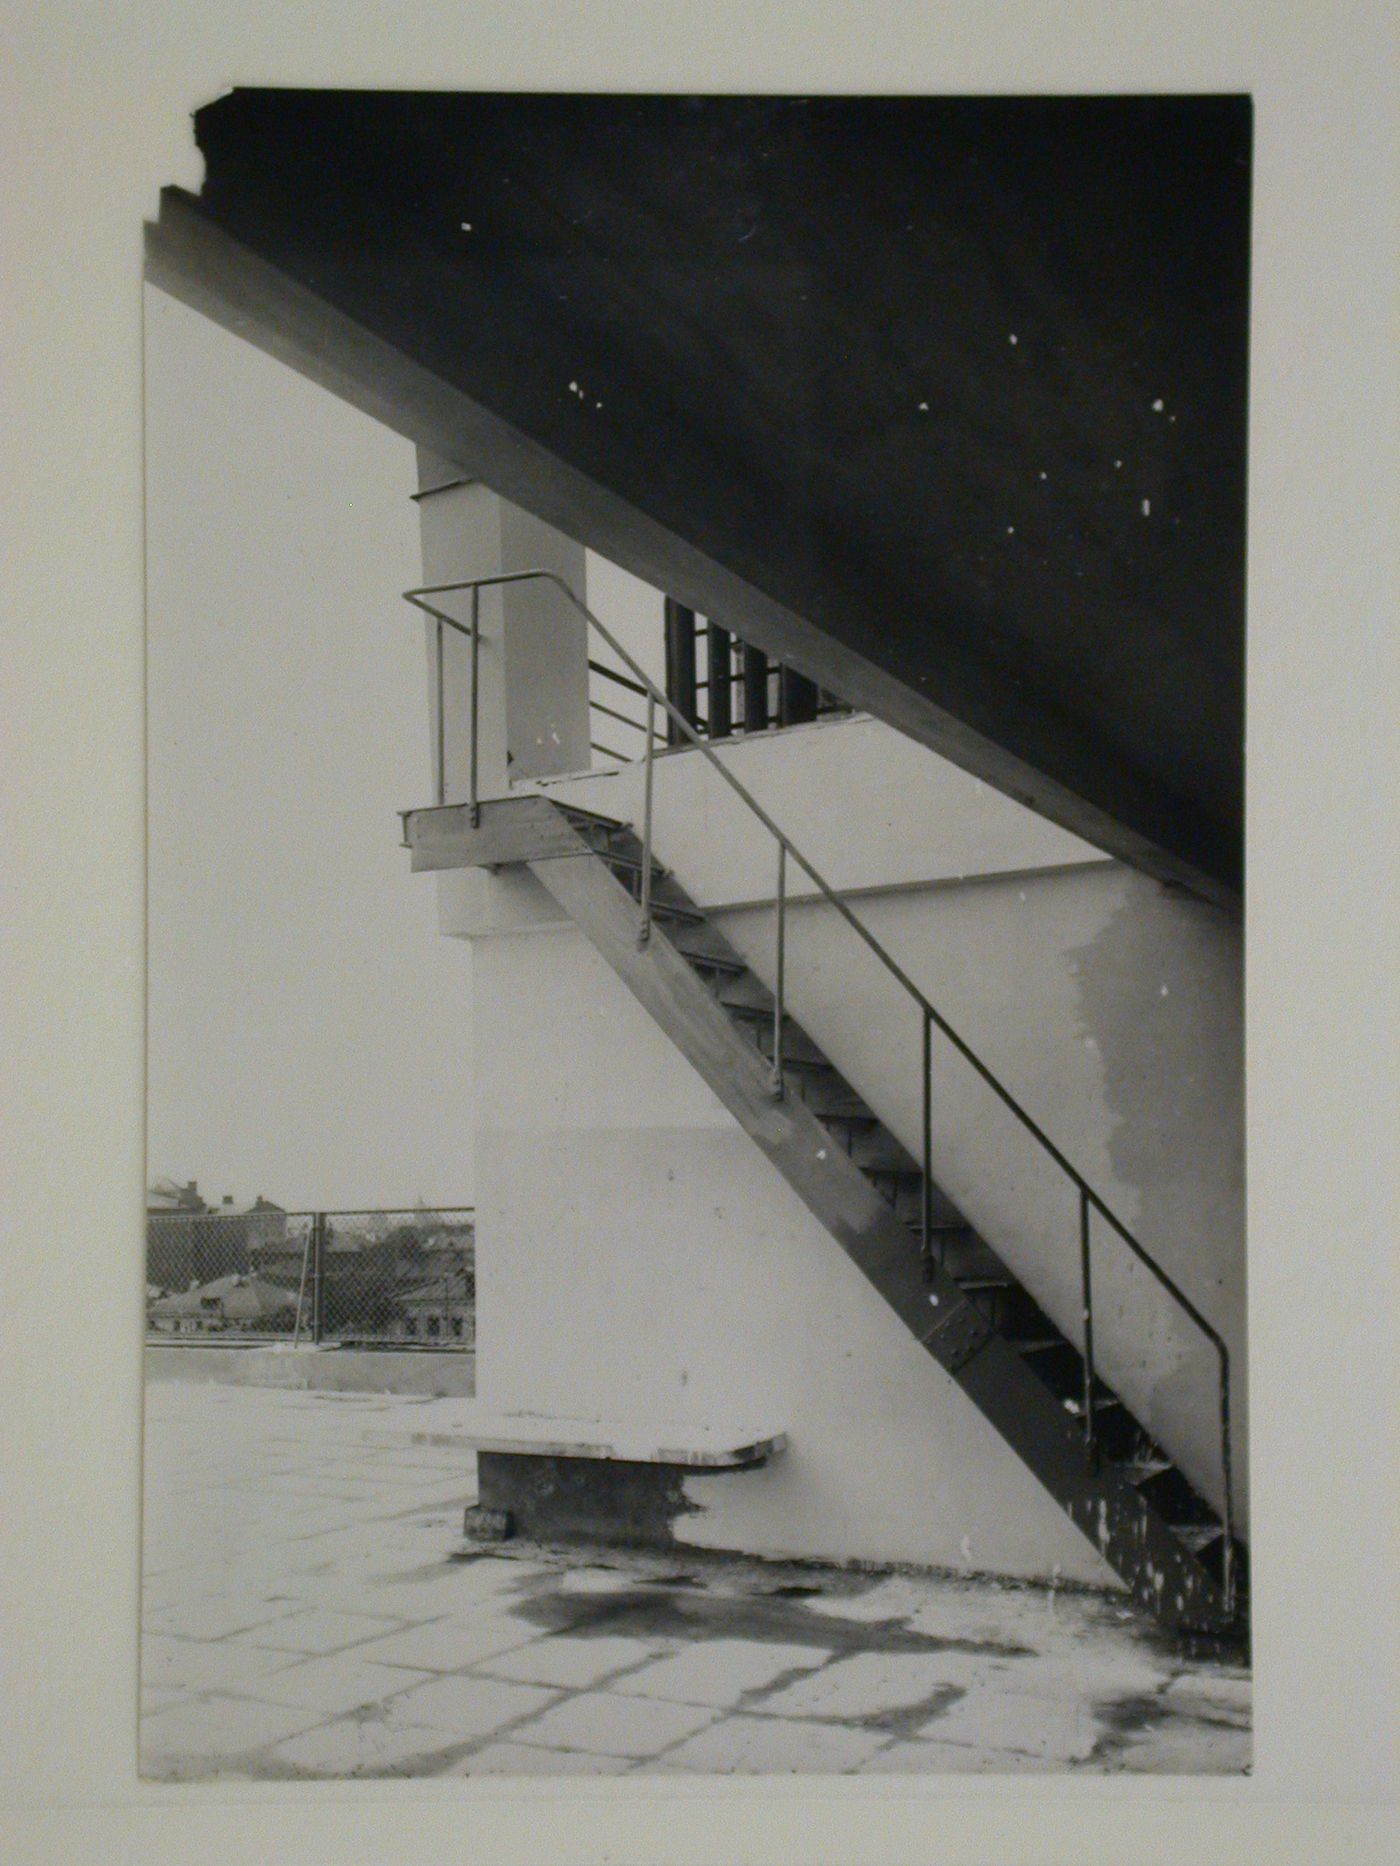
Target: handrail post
(644, 930)
(781, 970)
(441, 718)
(1088, 1321)
(475, 805)
(926, 1204)
(1227, 1554)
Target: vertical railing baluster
(441, 718)
(475, 709)
(781, 970)
(1088, 1290)
(1227, 1554)
(926, 1216)
(644, 930)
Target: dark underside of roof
(961, 383)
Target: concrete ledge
(698, 1447)
(333, 1370)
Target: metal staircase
(1042, 1392)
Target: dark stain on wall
(1161, 994)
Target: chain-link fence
(362, 1278)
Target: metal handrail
(1089, 1199)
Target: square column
(532, 700)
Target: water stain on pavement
(660, 1613)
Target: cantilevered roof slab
(942, 400)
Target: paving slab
(467, 1707)
(213, 1615)
(1088, 1674)
(870, 1685)
(990, 1718)
(925, 1758)
(720, 1672)
(1181, 1746)
(597, 1581)
(208, 1665)
(569, 1662)
(1214, 1696)
(529, 1759)
(604, 1723)
(452, 1642)
(344, 1682)
(215, 1730)
(318, 1631)
(381, 1744)
(775, 1746)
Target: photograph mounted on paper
(743, 1271)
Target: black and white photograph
(695, 663)
(698, 899)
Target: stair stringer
(1101, 1503)
(1055, 1288)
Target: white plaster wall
(1108, 1005)
(638, 1259)
(1112, 1011)
(869, 807)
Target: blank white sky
(309, 1029)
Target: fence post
(318, 1298)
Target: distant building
(190, 1242)
(227, 1303)
(441, 1308)
(265, 1224)
(452, 1234)
(165, 1198)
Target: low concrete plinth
(568, 1499)
(320, 1370)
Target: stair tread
(616, 858)
(1103, 1402)
(576, 811)
(715, 961)
(1143, 1470)
(1197, 1536)
(668, 910)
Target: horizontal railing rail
(1089, 1200)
